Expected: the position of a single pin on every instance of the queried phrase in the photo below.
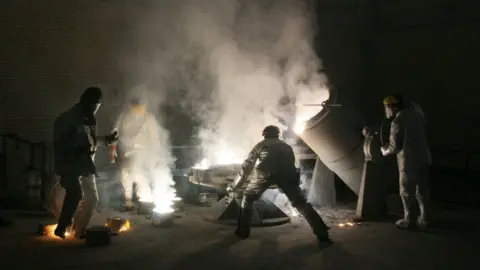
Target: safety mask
(138, 109)
(389, 112)
(90, 108)
(95, 107)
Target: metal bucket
(117, 224)
(162, 219)
(98, 236)
(145, 208)
(178, 204)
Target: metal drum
(162, 219)
(98, 236)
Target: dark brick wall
(51, 50)
(429, 51)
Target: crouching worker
(275, 166)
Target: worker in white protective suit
(273, 163)
(75, 142)
(137, 152)
(408, 140)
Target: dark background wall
(51, 50)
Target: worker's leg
(143, 191)
(127, 183)
(252, 193)
(294, 194)
(86, 206)
(407, 184)
(73, 195)
(423, 197)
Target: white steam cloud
(231, 62)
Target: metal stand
(372, 203)
(265, 212)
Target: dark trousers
(73, 195)
(293, 192)
(81, 198)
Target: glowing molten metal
(308, 104)
(221, 157)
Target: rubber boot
(243, 223)
(60, 232)
(320, 229)
(424, 217)
(78, 233)
(405, 223)
(422, 223)
(64, 233)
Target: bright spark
(220, 157)
(50, 232)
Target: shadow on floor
(262, 253)
(466, 227)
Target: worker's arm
(396, 138)
(247, 167)
(104, 141)
(117, 124)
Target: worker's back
(275, 157)
(415, 151)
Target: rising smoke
(229, 63)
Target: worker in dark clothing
(75, 143)
(273, 163)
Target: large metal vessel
(335, 135)
(218, 176)
(226, 210)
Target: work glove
(384, 150)
(368, 132)
(112, 138)
(230, 188)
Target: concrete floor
(192, 243)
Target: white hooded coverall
(138, 148)
(408, 141)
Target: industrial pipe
(335, 135)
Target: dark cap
(271, 132)
(91, 95)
